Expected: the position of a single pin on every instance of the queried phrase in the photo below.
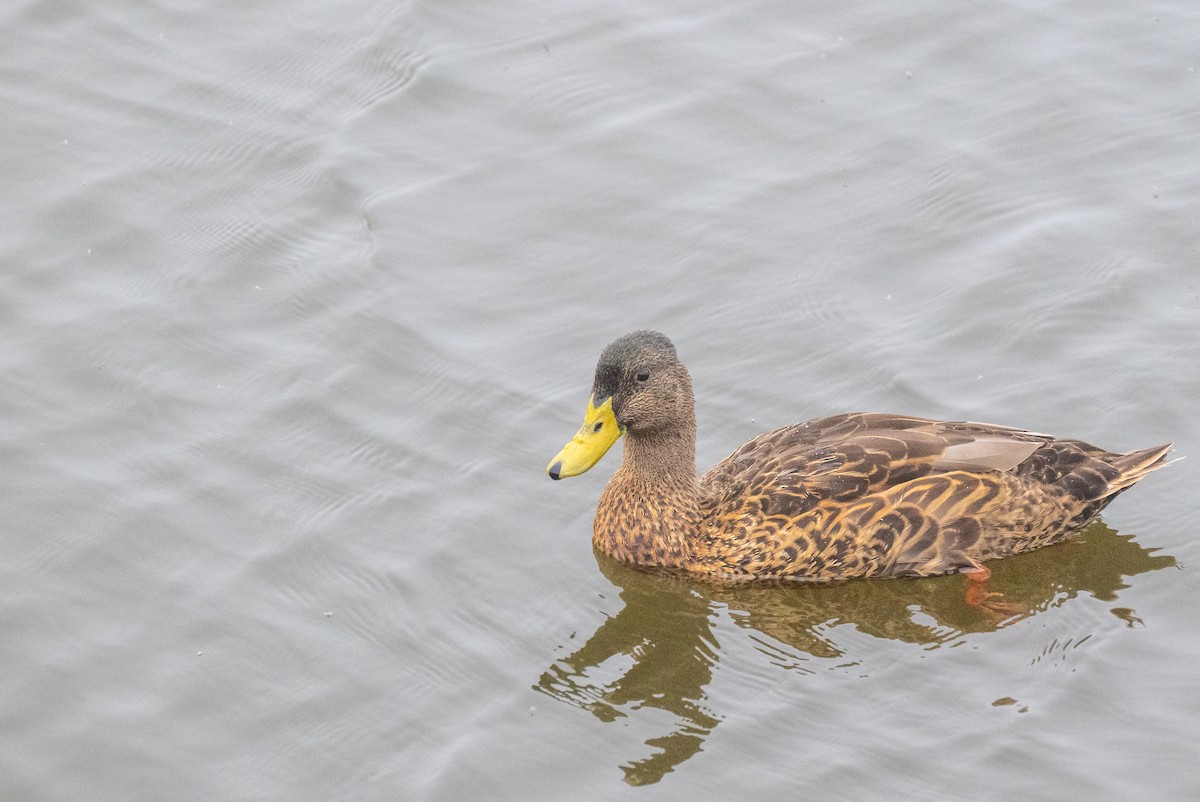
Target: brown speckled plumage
(854, 495)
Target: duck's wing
(846, 457)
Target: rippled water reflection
(659, 651)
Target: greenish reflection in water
(658, 652)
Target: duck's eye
(643, 376)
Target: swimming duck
(853, 495)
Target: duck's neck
(650, 511)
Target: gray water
(298, 299)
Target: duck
(850, 496)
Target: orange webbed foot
(991, 603)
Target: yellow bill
(595, 437)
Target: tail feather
(1134, 466)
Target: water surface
(299, 298)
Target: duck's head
(641, 388)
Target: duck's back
(868, 494)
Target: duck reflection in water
(659, 651)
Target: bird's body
(856, 495)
